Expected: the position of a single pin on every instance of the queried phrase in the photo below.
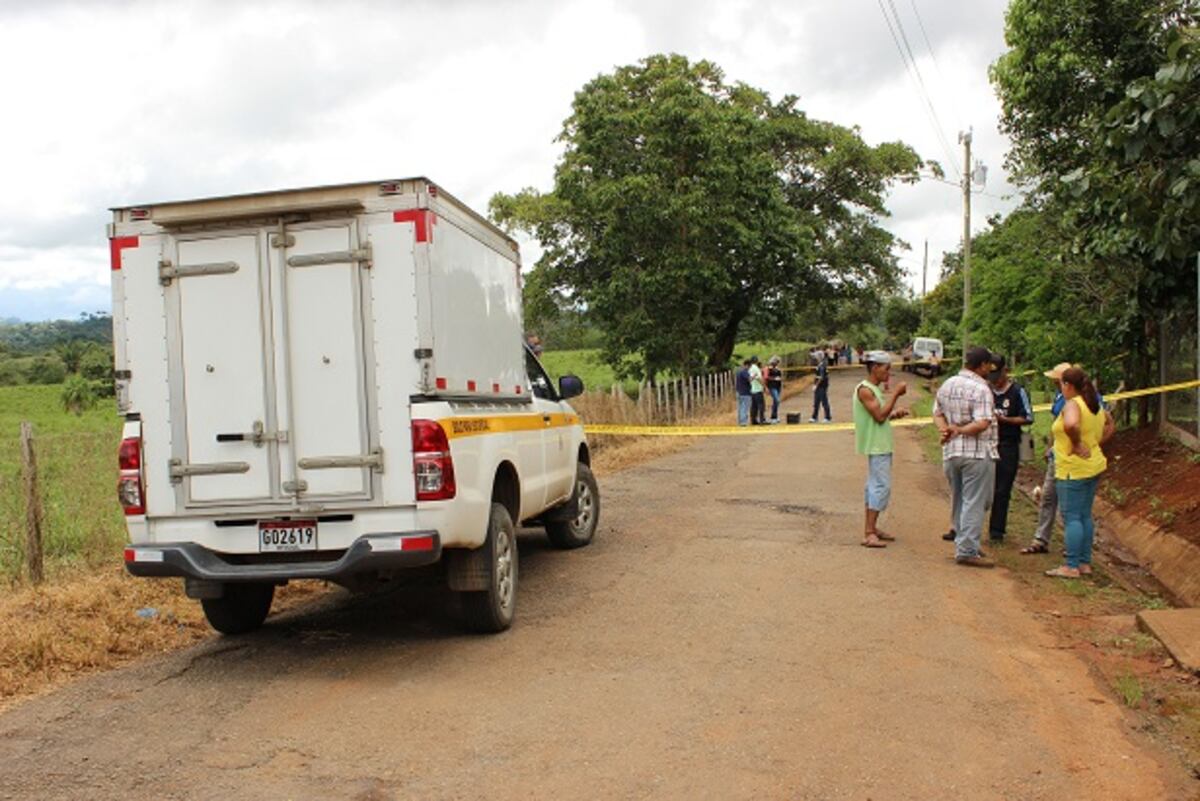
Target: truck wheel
(492, 610)
(579, 530)
(242, 607)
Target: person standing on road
(758, 402)
(964, 413)
(1079, 432)
(873, 413)
(775, 385)
(741, 381)
(1012, 412)
(821, 390)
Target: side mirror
(569, 386)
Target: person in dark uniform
(821, 390)
(1012, 411)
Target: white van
(332, 383)
(925, 356)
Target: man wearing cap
(1048, 503)
(964, 413)
(873, 413)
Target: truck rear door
(269, 374)
(328, 452)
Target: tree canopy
(685, 206)
(1101, 99)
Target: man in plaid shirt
(964, 412)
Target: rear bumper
(368, 554)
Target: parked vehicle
(924, 356)
(332, 383)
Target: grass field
(77, 471)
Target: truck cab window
(538, 380)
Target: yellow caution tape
(821, 428)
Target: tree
(1100, 102)
(901, 317)
(97, 364)
(684, 206)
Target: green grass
(77, 473)
(1130, 690)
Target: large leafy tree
(1100, 99)
(684, 207)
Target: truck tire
(492, 610)
(579, 530)
(242, 607)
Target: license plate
(277, 536)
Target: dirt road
(725, 637)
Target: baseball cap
(877, 357)
(1058, 370)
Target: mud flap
(468, 570)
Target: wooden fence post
(33, 506)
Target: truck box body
(272, 351)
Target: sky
(118, 103)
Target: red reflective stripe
(470, 386)
(518, 390)
(116, 245)
(423, 219)
(495, 387)
(441, 383)
(416, 543)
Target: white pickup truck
(332, 383)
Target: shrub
(77, 395)
(47, 370)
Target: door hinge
(295, 487)
(283, 241)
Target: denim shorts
(879, 481)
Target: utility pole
(965, 139)
(924, 278)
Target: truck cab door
(556, 437)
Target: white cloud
(135, 102)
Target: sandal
(1037, 546)
(1085, 570)
(873, 541)
(1064, 572)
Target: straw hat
(1058, 370)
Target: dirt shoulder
(724, 637)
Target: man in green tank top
(873, 413)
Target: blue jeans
(1075, 497)
(879, 481)
(743, 410)
(775, 393)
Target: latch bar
(362, 254)
(373, 460)
(179, 470)
(167, 272)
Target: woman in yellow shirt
(1078, 433)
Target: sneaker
(828, 419)
(950, 536)
(812, 419)
(974, 561)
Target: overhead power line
(910, 66)
(933, 57)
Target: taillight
(433, 468)
(130, 488)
